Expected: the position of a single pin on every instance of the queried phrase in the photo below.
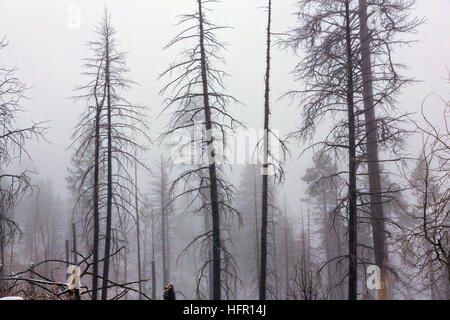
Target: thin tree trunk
(447, 287)
(210, 269)
(352, 225)
(125, 270)
(109, 178)
(263, 281)
(212, 165)
(286, 248)
(145, 253)
(375, 191)
(2, 251)
(11, 258)
(153, 280)
(167, 239)
(163, 222)
(67, 254)
(275, 255)
(138, 231)
(153, 255)
(74, 245)
(35, 230)
(308, 238)
(96, 214)
(258, 260)
(327, 230)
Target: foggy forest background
(237, 149)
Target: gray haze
(48, 51)
(47, 42)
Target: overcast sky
(47, 45)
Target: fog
(47, 44)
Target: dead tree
(162, 198)
(257, 240)
(306, 283)
(105, 139)
(272, 162)
(262, 287)
(198, 79)
(138, 228)
(54, 287)
(425, 239)
(326, 36)
(12, 147)
(330, 32)
(287, 235)
(389, 19)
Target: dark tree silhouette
(196, 91)
(13, 186)
(331, 35)
(105, 139)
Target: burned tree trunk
(74, 244)
(153, 255)
(109, 173)
(163, 223)
(373, 166)
(263, 280)
(138, 230)
(197, 94)
(258, 252)
(352, 211)
(215, 214)
(286, 248)
(96, 213)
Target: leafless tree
(196, 78)
(52, 287)
(306, 283)
(376, 66)
(272, 162)
(13, 138)
(327, 38)
(162, 199)
(425, 240)
(106, 135)
(330, 33)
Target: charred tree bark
(274, 255)
(210, 269)
(258, 260)
(2, 251)
(138, 231)
(96, 214)
(163, 223)
(109, 175)
(376, 199)
(215, 214)
(263, 280)
(74, 245)
(286, 248)
(153, 256)
(153, 280)
(327, 230)
(352, 209)
(125, 270)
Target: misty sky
(48, 50)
